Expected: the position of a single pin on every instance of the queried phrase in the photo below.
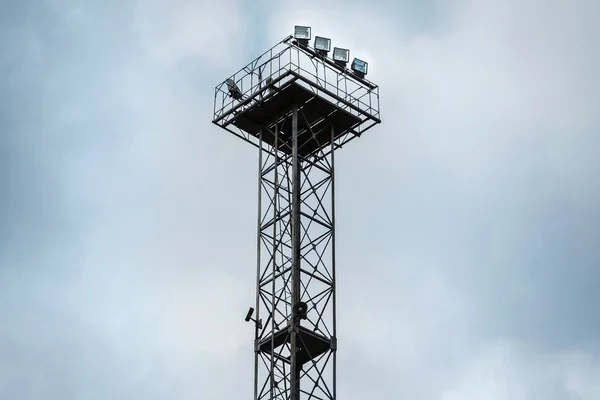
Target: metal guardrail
(360, 98)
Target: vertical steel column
(274, 261)
(258, 236)
(333, 290)
(296, 237)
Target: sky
(468, 247)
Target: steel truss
(296, 106)
(296, 267)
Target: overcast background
(468, 241)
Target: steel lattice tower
(297, 107)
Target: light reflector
(341, 55)
(359, 66)
(302, 32)
(322, 44)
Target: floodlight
(322, 45)
(302, 34)
(234, 90)
(341, 56)
(359, 67)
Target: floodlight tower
(297, 106)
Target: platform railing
(324, 80)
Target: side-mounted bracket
(333, 344)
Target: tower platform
(318, 114)
(312, 345)
(287, 76)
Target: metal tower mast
(296, 106)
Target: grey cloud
(466, 219)
(482, 175)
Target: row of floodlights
(323, 46)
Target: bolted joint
(333, 344)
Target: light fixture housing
(302, 34)
(341, 56)
(233, 89)
(359, 67)
(322, 45)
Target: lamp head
(359, 67)
(302, 34)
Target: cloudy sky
(468, 241)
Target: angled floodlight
(359, 67)
(302, 34)
(322, 45)
(341, 56)
(234, 90)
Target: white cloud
(503, 371)
(175, 31)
